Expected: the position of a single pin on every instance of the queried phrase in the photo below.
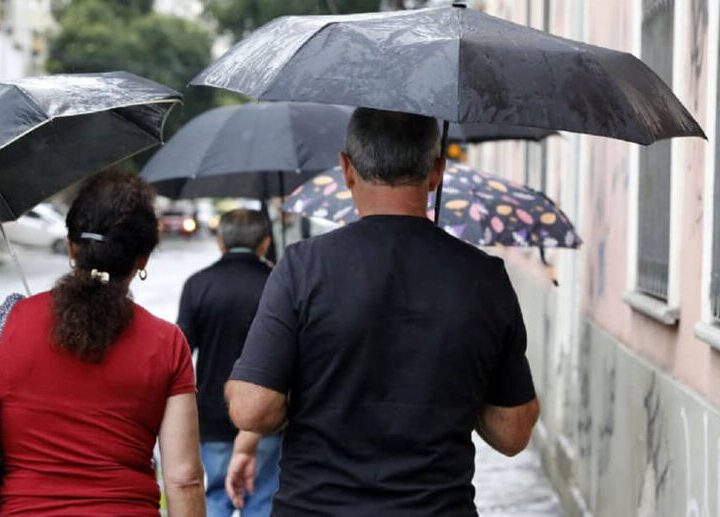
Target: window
(654, 168)
(715, 266)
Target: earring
(142, 274)
(72, 263)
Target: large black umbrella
(479, 132)
(254, 150)
(55, 130)
(458, 65)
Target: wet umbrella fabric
(257, 150)
(479, 132)
(477, 207)
(55, 130)
(456, 64)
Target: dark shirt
(216, 308)
(389, 335)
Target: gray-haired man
(216, 308)
(394, 341)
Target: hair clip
(101, 276)
(93, 237)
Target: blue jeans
(216, 457)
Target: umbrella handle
(19, 268)
(443, 155)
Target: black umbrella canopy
(475, 133)
(54, 130)
(255, 150)
(456, 64)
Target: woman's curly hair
(89, 315)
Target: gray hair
(243, 228)
(391, 147)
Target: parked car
(43, 227)
(178, 222)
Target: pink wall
(611, 23)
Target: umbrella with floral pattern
(478, 208)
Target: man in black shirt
(216, 309)
(382, 345)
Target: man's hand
(240, 477)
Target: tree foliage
(109, 35)
(242, 16)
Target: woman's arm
(180, 457)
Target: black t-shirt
(388, 334)
(216, 308)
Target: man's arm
(255, 408)
(507, 429)
(510, 409)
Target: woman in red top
(89, 380)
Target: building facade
(24, 29)
(626, 351)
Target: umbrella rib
(159, 137)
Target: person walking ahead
(89, 380)
(384, 344)
(216, 308)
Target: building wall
(630, 422)
(24, 28)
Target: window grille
(715, 269)
(654, 173)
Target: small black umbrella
(254, 150)
(456, 64)
(55, 130)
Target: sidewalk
(512, 487)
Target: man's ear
(263, 247)
(221, 244)
(349, 171)
(436, 173)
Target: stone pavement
(512, 487)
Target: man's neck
(385, 200)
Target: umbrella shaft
(11, 250)
(443, 152)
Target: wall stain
(698, 38)
(655, 438)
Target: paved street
(509, 487)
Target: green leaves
(108, 35)
(241, 16)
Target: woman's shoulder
(147, 321)
(16, 303)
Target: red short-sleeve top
(77, 437)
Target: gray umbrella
(458, 65)
(255, 150)
(55, 130)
